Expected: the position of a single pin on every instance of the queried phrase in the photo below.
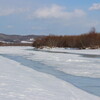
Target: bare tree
(92, 30)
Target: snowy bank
(18, 82)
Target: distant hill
(17, 38)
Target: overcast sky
(42, 17)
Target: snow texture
(19, 82)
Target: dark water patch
(90, 56)
(91, 85)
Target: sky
(44, 17)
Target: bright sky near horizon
(42, 17)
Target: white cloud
(56, 11)
(9, 11)
(95, 6)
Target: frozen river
(26, 74)
(91, 85)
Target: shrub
(90, 40)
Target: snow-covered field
(18, 81)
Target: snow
(19, 82)
(70, 63)
(26, 42)
(72, 50)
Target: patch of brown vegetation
(90, 40)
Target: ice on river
(19, 82)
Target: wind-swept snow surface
(20, 82)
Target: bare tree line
(89, 40)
